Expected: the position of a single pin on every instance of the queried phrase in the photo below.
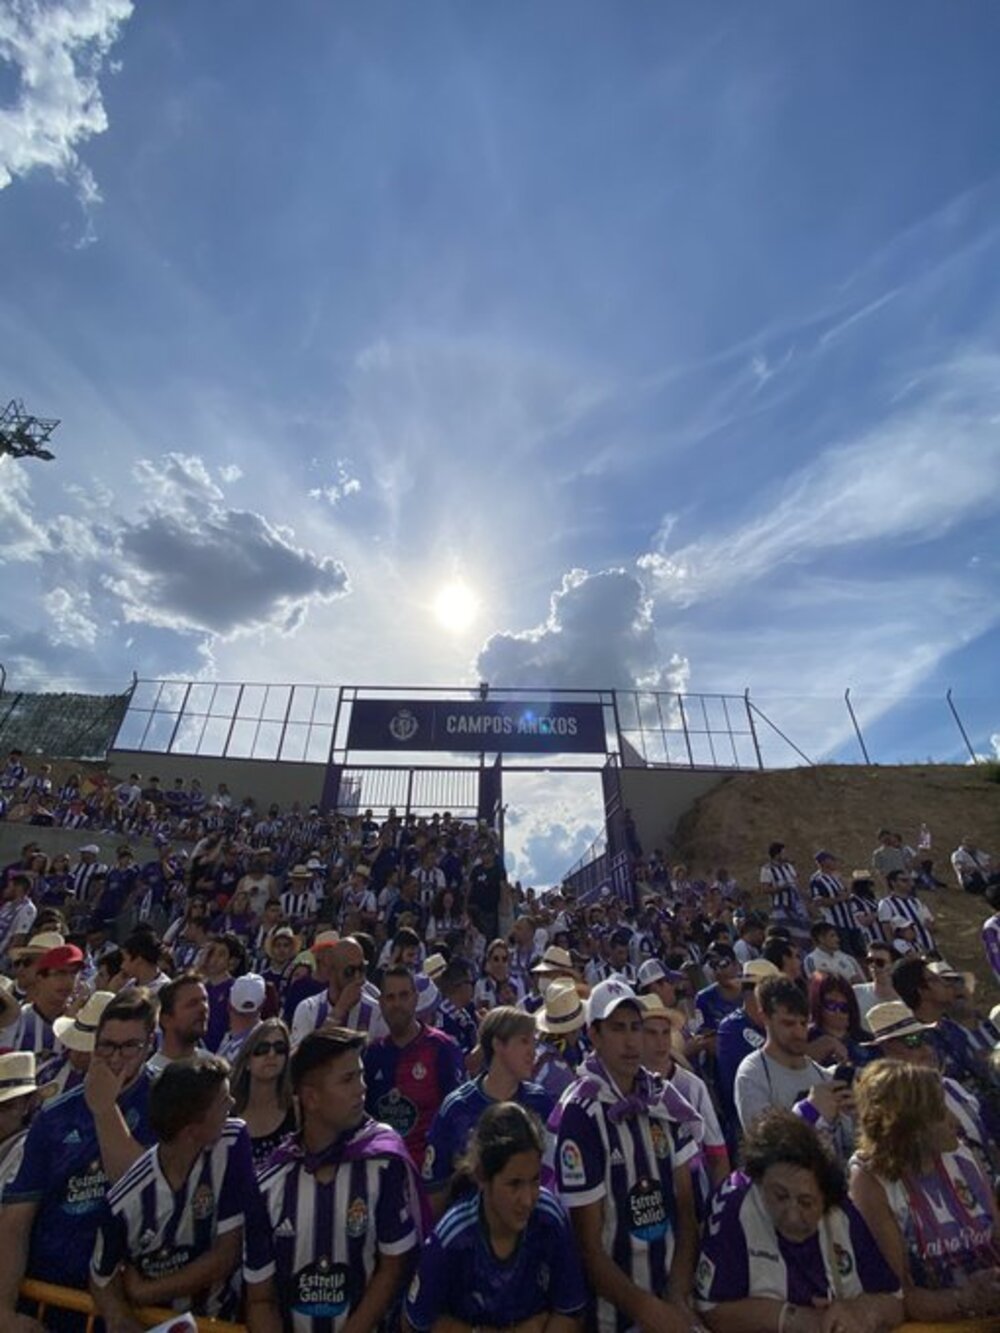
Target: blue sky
(671, 332)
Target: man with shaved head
(345, 1003)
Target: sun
(455, 607)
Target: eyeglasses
(836, 1007)
(133, 1046)
(270, 1048)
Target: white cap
(248, 993)
(607, 996)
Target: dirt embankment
(840, 808)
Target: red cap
(66, 955)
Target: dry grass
(840, 808)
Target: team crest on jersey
(703, 1277)
(571, 1164)
(357, 1218)
(965, 1197)
(843, 1259)
(419, 1071)
(203, 1203)
(661, 1144)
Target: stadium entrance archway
(417, 750)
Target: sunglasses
(836, 1007)
(913, 1040)
(499, 957)
(878, 962)
(353, 970)
(270, 1048)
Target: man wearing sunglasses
(880, 989)
(76, 1145)
(345, 1003)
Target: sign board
(526, 727)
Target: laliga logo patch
(403, 726)
(571, 1164)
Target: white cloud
(58, 50)
(230, 472)
(549, 824)
(914, 477)
(344, 485)
(599, 634)
(22, 537)
(69, 615)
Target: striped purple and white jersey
(823, 887)
(991, 943)
(35, 1033)
(157, 1231)
(326, 1238)
(312, 1012)
(782, 880)
(898, 906)
(82, 874)
(609, 1151)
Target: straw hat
(282, 933)
(79, 1031)
(38, 944)
(891, 1019)
(563, 1011)
(434, 965)
(17, 1075)
(300, 872)
(10, 1010)
(756, 969)
(554, 959)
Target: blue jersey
(459, 1277)
(61, 1171)
(457, 1119)
(157, 1231)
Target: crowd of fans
(294, 1066)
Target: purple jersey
(407, 1085)
(459, 1276)
(456, 1120)
(327, 1237)
(157, 1231)
(742, 1255)
(61, 1171)
(613, 1151)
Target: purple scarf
(370, 1139)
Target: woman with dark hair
(784, 1250)
(835, 1034)
(505, 1256)
(446, 915)
(261, 1085)
(495, 976)
(924, 1195)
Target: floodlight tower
(22, 435)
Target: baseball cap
(607, 996)
(654, 970)
(63, 956)
(248, 993)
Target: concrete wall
(658, 797)
(55, 840)
(266, 780)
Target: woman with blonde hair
(924, 1195)
(261, 1086)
